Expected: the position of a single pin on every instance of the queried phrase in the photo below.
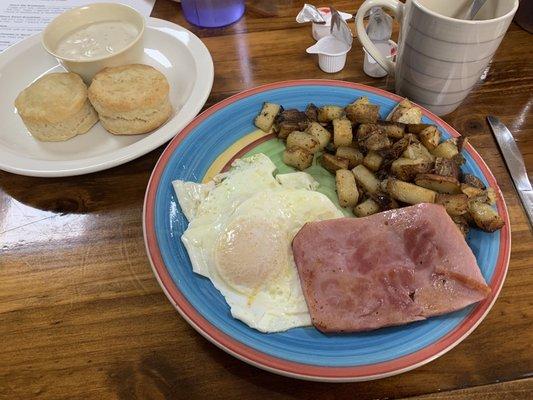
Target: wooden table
(81, 315)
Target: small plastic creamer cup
(76, 18)
(331, 53)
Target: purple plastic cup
(212, 13)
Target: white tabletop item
(440, 57)
(170, 48)
(320, 19)
(331, 53)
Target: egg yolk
(251, 253)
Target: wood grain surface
(82, 317)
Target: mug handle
(397, 8)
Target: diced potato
(438, 183)
(406, 169)
(459, 159)
(446, 167)
(383, 185)
(384, 200)
(312, 112)
(362, 112)
(333, 163)
(484, 216)
(471, 191)
(462, 223)
(406, 113)
(329, 113)
(430, 137)
(265, 119)
(455, 204)
(473, 180)
(342, 132)
(409, 193)
(346, 188)
(491, 196)
(393, 130)
(462, 141)
(289, 121)
(353, 155)
(366, 179)
(417, 128)
(373, 160)
(361, 100)
(446, 149)
(297, 157)
(303, 140)
(417, 150)
(319, 133)
(366, 208)
(372, 137)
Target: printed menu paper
(22, 18)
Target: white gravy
(97, 40)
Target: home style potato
(383, 164)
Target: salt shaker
(379, 31)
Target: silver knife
(515, 164)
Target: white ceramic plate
(173, 50)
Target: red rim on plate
(300, 370)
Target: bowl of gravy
(87, 39)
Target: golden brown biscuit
(55, 107)
(130, 99)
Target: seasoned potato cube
(461, 143)
(265, 119)
(473, 180)
(471, 191)
(353, 155)
(312, 112)
(490, 196)
(409, 193)
(393, 130)
(366, 179)
(438, 183)
(446, 149)
(484, 216)
(462, 223)
(446, 167)
(372, 137)
(361, 100)
(320, 133)
(329, 113)
(455, 204)
(342, 132)
(303, 140)
(373, 160)
(430, 137)
(366, 208)
(297, 157)
(346, 188)
(406, 169)
(417, 150)
(384, 201)
(333, 163)
(417, 128)
(362, 112)
(406, 113)
(289, 121)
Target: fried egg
(241, 227)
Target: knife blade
(515, 164)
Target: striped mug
(440, 55)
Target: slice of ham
(391, 268)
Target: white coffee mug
(440, 56)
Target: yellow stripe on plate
(228, 154)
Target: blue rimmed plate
(207, 146)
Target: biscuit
(55, 107)
(130, 99)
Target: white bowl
(76, 18)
